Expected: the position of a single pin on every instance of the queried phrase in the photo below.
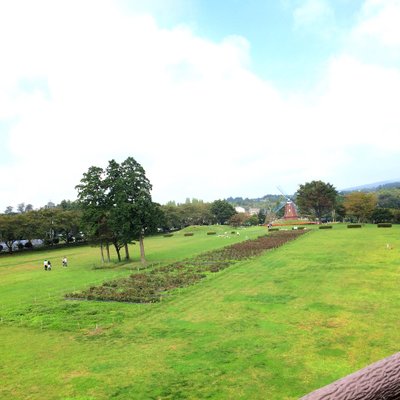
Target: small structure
(290, 207)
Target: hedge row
(325, 227)
(384, 225)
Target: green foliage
(222, 211)
(360, 205)
(382, 215)
(194, 212)
(384, 225)
(325, 227)
(117, 206)
(354, 226)
(316, 198)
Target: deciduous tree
(360, 205)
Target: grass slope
(275, 327)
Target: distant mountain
(371, 187)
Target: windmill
(290, 206)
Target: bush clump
(211, 233)
(354, 226)
(188, 234)
(168, 235)
(384, 225)
(273, 229)
(325, 227)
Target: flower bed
(150, 286)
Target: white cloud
(188, 109)
(314, 15)
(379, 21)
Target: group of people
(47, 263)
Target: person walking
(48, 265)
(64, 262)
(45, 264)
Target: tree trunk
(9, 244)
(126, 252)
(102, 252)
(141, 245)
(117, 249)
(108, 252)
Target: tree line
(115, 208)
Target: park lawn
(273, 327)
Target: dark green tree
(382, 215)
(117, 204)
(93, 202)
(10, 230)
(316, 198)
(222, 211)
(261, 216)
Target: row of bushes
(208, 233)
(381, 225)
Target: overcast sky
(215, 98)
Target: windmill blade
(279, 207)
(284, 194)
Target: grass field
(273, 327)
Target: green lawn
(274, 327)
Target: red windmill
(290, 206)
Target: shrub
(273, 229)
(20, 246)
(189, 234)
(168, 235)
(211, 233)
(384, 225)
(325, 227)
(354, 226)
(28, 245)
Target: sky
(214, 98)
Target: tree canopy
(222, 211)
(361, 205)
(316, 199)
(117, 205)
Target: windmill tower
(290, 206)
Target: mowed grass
(273, 327)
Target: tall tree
(117, 204)
(222, 211)
(142, 212)
(95, 208)
(316, 198)
(361, 205)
